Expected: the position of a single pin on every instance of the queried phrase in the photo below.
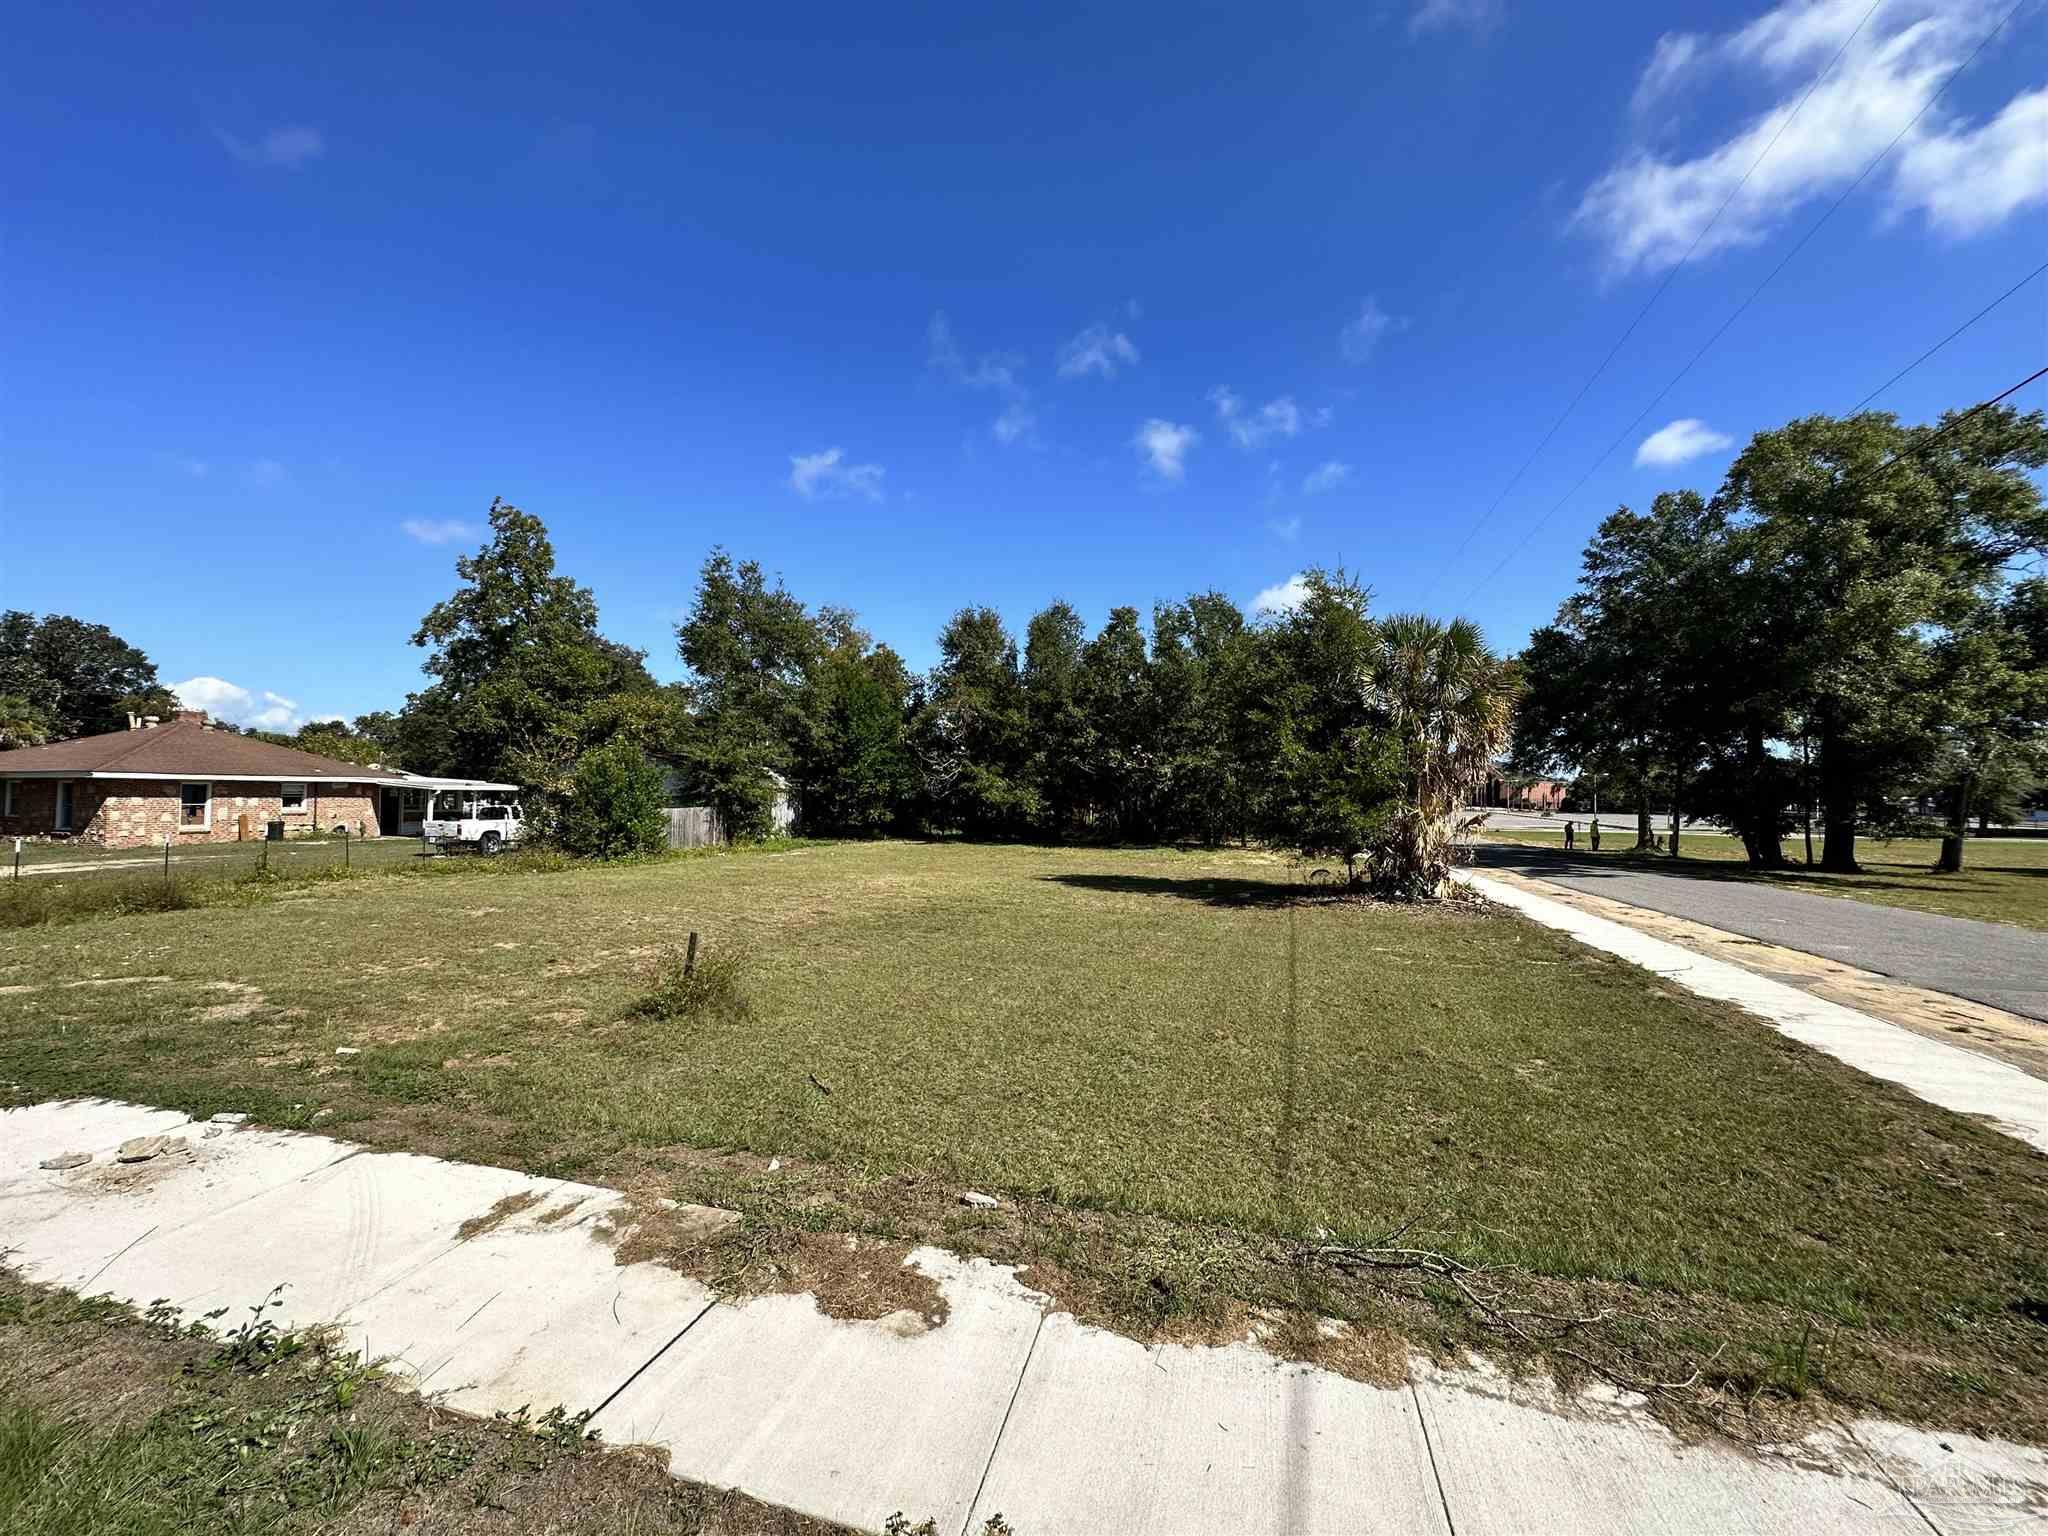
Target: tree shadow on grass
(1209, 891)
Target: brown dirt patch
(110, 1176)
(851, 1276)
(247, 1002)
(1376, 1355)
(501, 1212)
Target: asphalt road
(1994, 963)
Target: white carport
(406, 800)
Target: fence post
(167, 858)
(17, 858)
(690, 960)
(344, 845)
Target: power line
(1951, 336)
(1593, 377)
(1951, 424)
(1754, 293)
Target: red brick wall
(35, 808)
(127, 813)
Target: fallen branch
(1494, 1312)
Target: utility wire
(1593, 377)
(1951, 336)
(1742, 308)
(1950, 425)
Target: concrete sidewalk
(495, 1291)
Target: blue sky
(924, 306)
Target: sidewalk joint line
(1030, 1353)
(1429, 1446)
(671, 1344)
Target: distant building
(183, 781)
(1518, 792)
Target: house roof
(181, 749)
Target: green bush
(711, 989)
(615, 804)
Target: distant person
(1593, 832)
(1570, 829)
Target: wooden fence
(694, 826)
(699, 826)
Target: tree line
(1847, 630)
(1323, 728)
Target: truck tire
(489, 844)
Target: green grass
(124, 889)
(371, 852)
(113, 1425)
(1172, 1070)
(2003, 880)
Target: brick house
(1506, 791)
(194, 784)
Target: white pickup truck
(465, 819)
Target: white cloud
(263, 711)
(814, 475)
(1669, 61)
(1016, 424)
(1476, 16)
(438, 530)
(288, 147)
(1362, 335)
(1285, 598)
(943, 355)
(1650, 208)
(1286, 529)
(1969, 181)
(1276, 418)
(1686, 438)
(1164, 446)
(1096, 350)
(1326, 476)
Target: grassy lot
(112, 1425)
(1177, 1070)
(2003, 880)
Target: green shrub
(711, 989)
(615, 804)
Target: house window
(62, 822)
(292, 796)
(6, 797)
(195, 807)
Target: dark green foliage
(856, 776)
(1334, 771)
(1835, 630)
(972, 733)
(62, 677)
(615, 804)
(523, 682)
(752, 650)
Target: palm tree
(1450, 704)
